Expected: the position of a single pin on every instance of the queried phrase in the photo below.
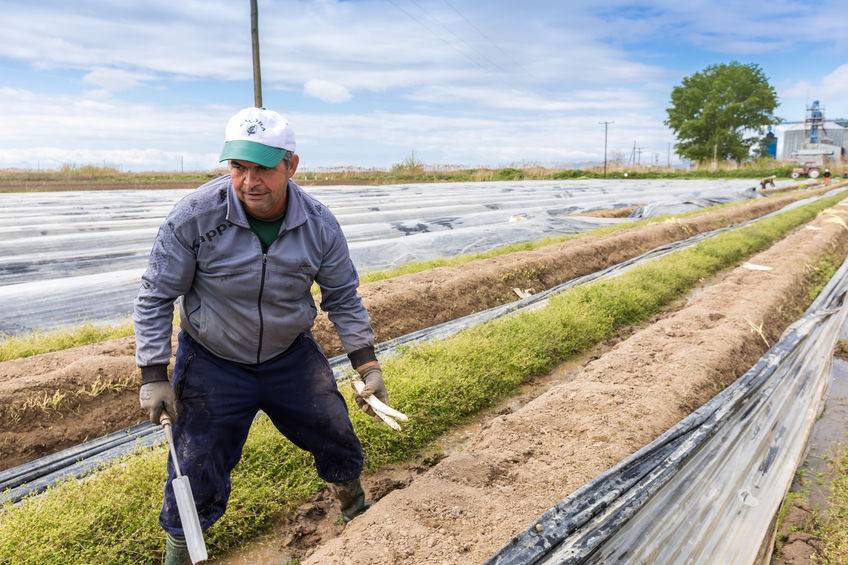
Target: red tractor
(809, 169)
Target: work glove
(156, 397)
(373, 378)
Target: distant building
(771, 143)
(832, 142)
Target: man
(767, 181)
(242, 251)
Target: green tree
(721, 111)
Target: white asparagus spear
(383, 411)
(378, 404)
(388, 420)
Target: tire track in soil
(470, 504)
(397, 306)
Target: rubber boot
(176, 551)
(352, 499)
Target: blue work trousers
(217, 401)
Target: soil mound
(472, 503)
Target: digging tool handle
(165, 420)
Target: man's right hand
(156, 397)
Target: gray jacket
(241, 304)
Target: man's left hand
(372, 376)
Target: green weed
(823, 271)
(27, 345)
(47, 402)
(833, 528)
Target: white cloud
(147, 136)
(735, 27)
(115, 80)
(368, 45)
(326, 91)
(835, 84)
(123, 159)
(832, 91)
(31, 119)
(564, 67)
(800, 89)
(515, 99)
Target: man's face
(263, 190)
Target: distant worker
(826, 176)
(242, 252)
(767, 181)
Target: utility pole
(638, 156)
(606, 126)
(669, 155)
(254, 34)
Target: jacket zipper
(261, 288)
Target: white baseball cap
(258, 135)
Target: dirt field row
(52, 401)
(521, 463)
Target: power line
(497, 67)
(476, 51)
(491, 42)
(433, 32)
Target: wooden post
(606, 126)
(257, 73)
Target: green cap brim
(258, 153)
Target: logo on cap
(249, 126)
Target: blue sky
(147, 85)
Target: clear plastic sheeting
(707, 490)
(77, 461)
(35, 476)
(671, 207)
(70, 257)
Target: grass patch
(789, 500)
(823, 271)
(841, 349)
(112, 517)
(27, 345)
(833, 529)
(828, 526)
(83, 177)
